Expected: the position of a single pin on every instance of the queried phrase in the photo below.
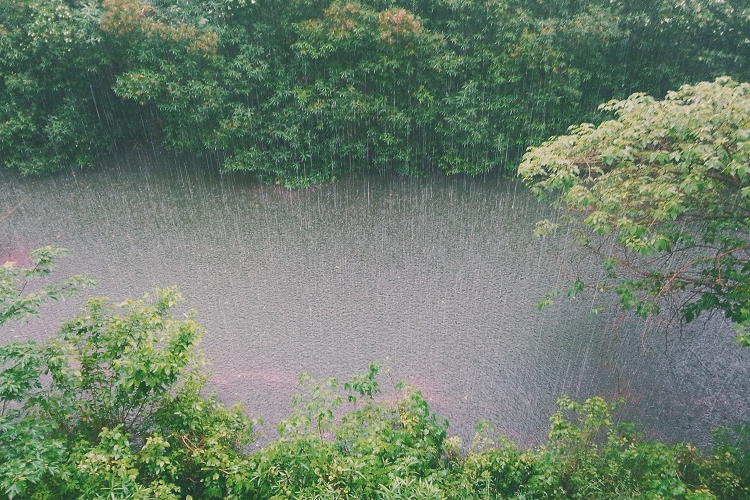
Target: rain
(357, 187)
(437, 278)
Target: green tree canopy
(306, 91)
(112, 407)
(662, 193)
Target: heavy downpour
(376, 249)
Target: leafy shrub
(111, 407)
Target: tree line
(301, 92)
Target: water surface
(437, 278)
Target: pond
(437, 278)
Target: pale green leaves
(668, 180)
(19, 299)
(112, 407)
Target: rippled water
(437, 278)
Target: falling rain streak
(437, 278)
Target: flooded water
(436, 278)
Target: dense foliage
(662, 193)
(113, 407)
(302, 91)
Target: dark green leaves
(304, 92)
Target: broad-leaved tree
(662, 193)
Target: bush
(112, 407)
